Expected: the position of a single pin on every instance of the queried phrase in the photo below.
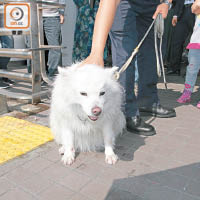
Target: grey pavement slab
(163, 167)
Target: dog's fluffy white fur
(86, 111)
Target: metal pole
(16, 75)
(35, 62)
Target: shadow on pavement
(127, 144)
(182, 183)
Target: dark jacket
(178, 8)
(145, 7)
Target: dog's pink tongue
(93, 118)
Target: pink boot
(185, 97)
(198, 105)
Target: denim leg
(123, 41)
(6, 42)
(193, 68)
(52, 29)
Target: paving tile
(164, 150)
(193, 188)
(16, 162)
(55, 172)
(188, 197)
(99, 157)
(37, 164)
(174, 141)
(140, 169)
(190, 171)
(90, 168)
(148, 148)
(19, 174)
(163, 193)
(75, 181)
(124, 166)
(120, 150)
(185, 131)
(117, 194)
(45, 148)
(79, 196)
(56, 192)
(5, 185)
(186, 157)
(192, 148)
(140, 156)
(82, 158)
(124, 141)
(135, 185)
(35, 184)
(109, 175)
(96, 190)
(156, 139)
(52, 155)
(165, 127)
(166, 178)
(17, 194)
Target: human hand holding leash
(162, 9)
(93, 59)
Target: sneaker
(3, 85)
(198, 105)
(8, 81)
(185, 97)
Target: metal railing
(35, 53)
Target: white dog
(86, 111)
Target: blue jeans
(52, 29)
(193, 68)
(6, 42)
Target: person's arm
(61, 11)
(103, 22)
(177, 10)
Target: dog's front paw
(111, 159)
(68, 159)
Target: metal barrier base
(3, 104)
(23, 91)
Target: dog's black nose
(96, 111)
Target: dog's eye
(83, 93)
(101, 93)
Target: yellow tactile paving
(19, 136)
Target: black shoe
(174, 72)
(158, 111)
(3, 85)
(137, 126)
(8, 81)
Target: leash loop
(158, 34)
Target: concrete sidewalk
(162, 167)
